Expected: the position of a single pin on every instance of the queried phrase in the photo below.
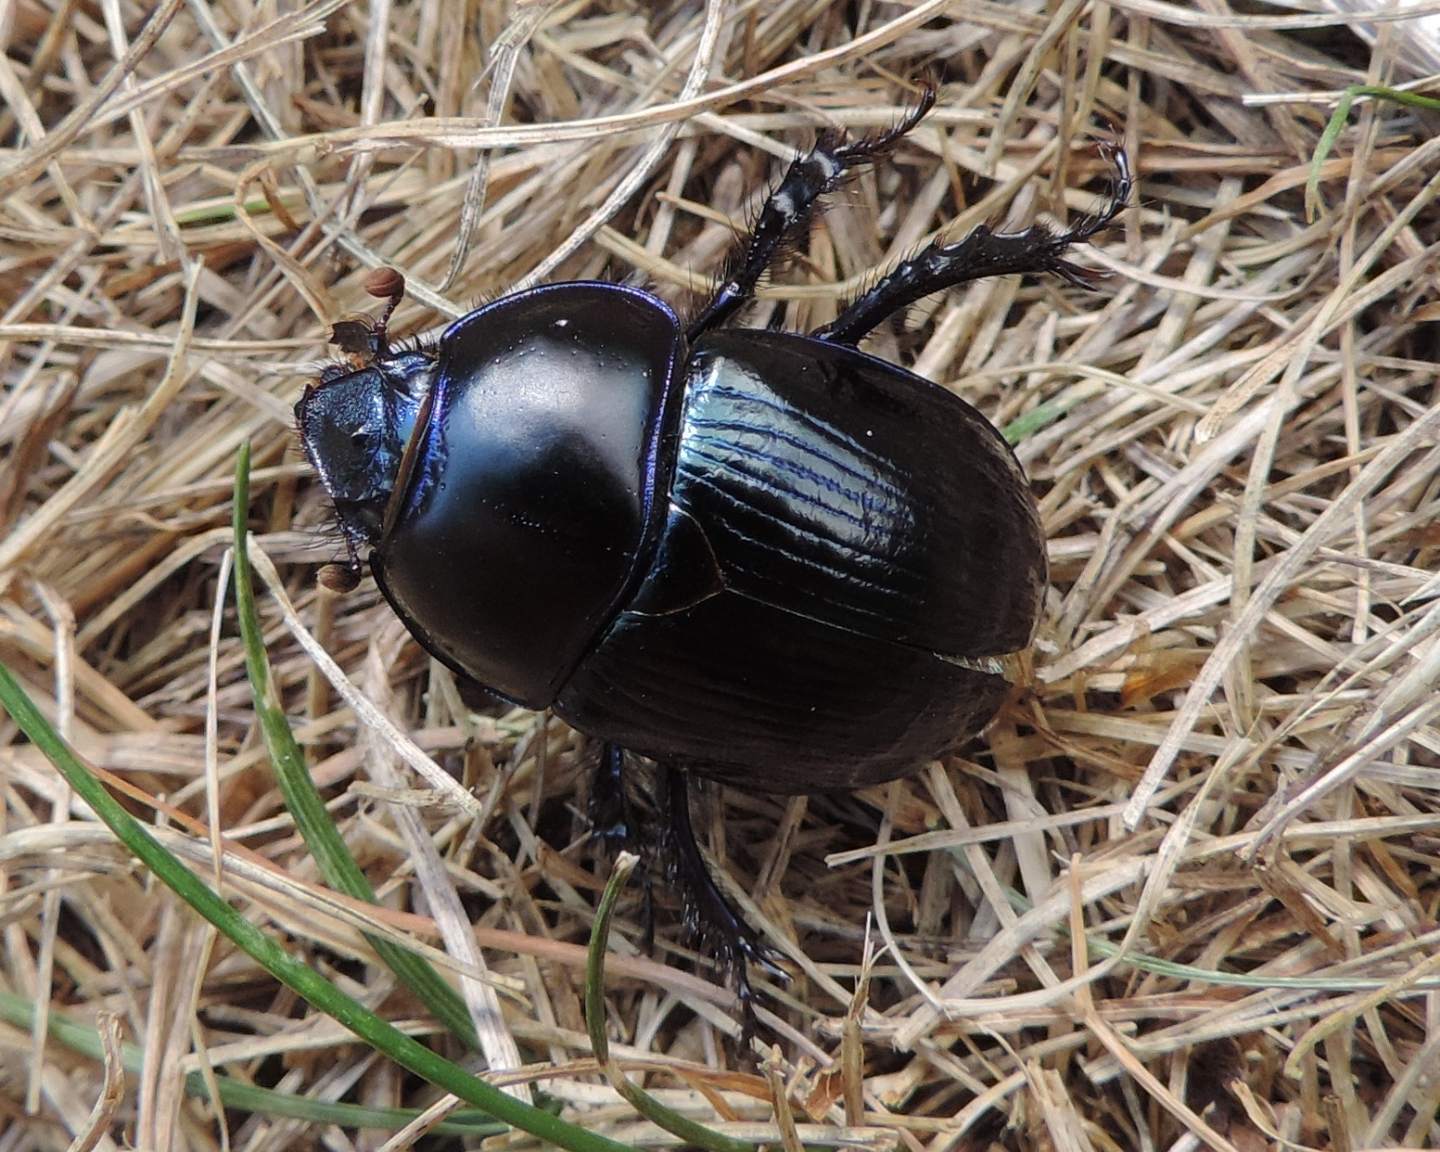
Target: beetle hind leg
(810, 176)
(709, 915)
(1034, 251)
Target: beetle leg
(647, 911)
(809, 177)
(610, 817)
(1034, 251)
(708, 914)
(616, 824)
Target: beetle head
(355, 425)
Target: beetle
(760, 557)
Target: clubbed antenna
(386, 284)
(366, 338)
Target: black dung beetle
(761, 557)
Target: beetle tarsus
(810, 176)
(709, 916)
(1035, 251)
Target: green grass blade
(244, 1097)
(322, 838)
(689, 1131)
(1031, 422)
(1336, 125)
(311, 986)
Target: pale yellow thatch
(1224, 771)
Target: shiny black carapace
(762, 557)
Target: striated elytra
(756, 556)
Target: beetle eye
(365, 439)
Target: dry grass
(1224, 776)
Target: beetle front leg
(1035, 251)
(809, 177)
(708, 914)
